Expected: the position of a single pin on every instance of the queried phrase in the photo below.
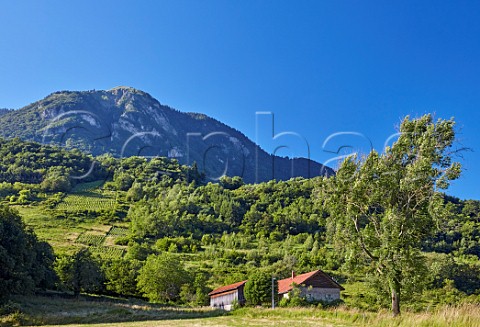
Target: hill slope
(124, 121)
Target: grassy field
(60, 233)
(72, 229)
(68, 235)
(85, 311)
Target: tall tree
(25, 263)
(162, 277)
(382, 207)
(80, 272)
(121, 274)
(258, 289)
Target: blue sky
(321, 67)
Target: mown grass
(52, 311)
(62, 310)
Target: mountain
(4, 111)
(124, 121)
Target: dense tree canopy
(25, 262)
(80, 272)
(32, 163)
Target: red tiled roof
(285, 285)
(227, 288)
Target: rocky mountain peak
(125, 121)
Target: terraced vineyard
(86, 201)
(118, 231)
(107, 252)
(90, 239)
(100, 243)
(88, 196)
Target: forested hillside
(154, 228)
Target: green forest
(384, 227)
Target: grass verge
(101, 311)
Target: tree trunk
(395, 288)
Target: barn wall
(323, 294)
(241, 295)
(224, 301)
(318, 294)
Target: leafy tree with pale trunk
(162, 277)
(383, 206)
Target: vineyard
(97, 245)
(86, 201)
(107, 252)
(118, 231)
(90, 239)
(88, 196)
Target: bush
(122, 240)
(56, 180)
(16, 318)
(9, 307)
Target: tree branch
(362, 243)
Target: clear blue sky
(321, 67)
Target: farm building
(314, 286)
(224, 297)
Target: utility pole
(273, 292)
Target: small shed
(224, 297)
(314, 286)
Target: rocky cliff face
(124, 122)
